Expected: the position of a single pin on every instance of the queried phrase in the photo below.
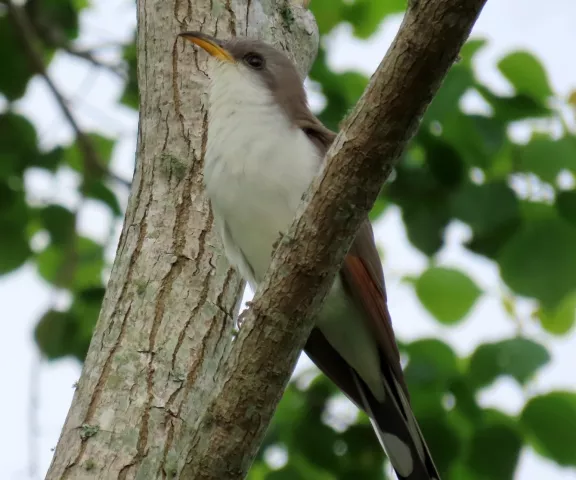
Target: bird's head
(254, 65)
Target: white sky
(546, 29)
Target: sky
(37, 394)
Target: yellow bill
(208, 43)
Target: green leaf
(90, 264)
(14, 85)
(286, 473)
(14, 217)
(60, 334)
(478, 138)
(50, 160)
(533, 211)
(8, 165)
(74, 155)
(17, 144)
(470, 49)
(328, 14)
(502, 164)
(14, 248)
(550, 421)
(98, 190)
(447, 294)
(424, 204)
(56, 265)
(566, 205)
(517, 357)
(77, 265)
(86, 309)
(414, 156)
(315, 441)
(446, 101)
(486, 207)
(466, 402)
(494, 451)
(80, 4)
(513, 108)
(546, 157)
(60, 223)
(443, 439)
(526, 75)
(291, 407)
(491, 243)
(425, 227)
(352, 85)
(311, 438)
(54, 334)
(444, 162)
(559, 320)
(366, 15)
(540, 260)
(258, 471)
(379, 208)
(432, 365)
(13, 204)
(130, 95)
(60, 15)
(299, 469)
(363, 452)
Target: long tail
(398, 431)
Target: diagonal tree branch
(92, 163)
(280, 319)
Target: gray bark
(166, 324)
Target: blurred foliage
(517, 198)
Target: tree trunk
(166, 323)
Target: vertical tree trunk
(166, 322)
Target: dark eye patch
(254, 60)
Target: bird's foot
(242, 315)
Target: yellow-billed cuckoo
(264, 148)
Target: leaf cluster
(40, 231)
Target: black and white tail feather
(398, 431)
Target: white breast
(257, 167)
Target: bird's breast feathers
(257, 167)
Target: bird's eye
(254, 60)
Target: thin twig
(90, 58)
(55, 38)
(29, 38)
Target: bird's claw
(242, 315)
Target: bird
(264, 148)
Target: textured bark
(166, 324)
(275, 328)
